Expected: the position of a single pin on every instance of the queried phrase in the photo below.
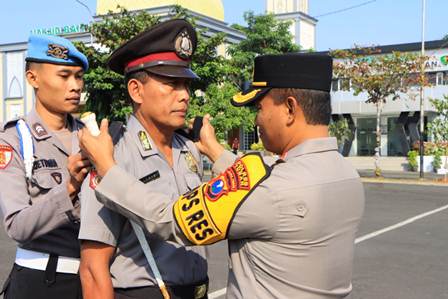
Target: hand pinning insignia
(57, 51)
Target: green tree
(264, 35)
(216, 102)
(340, 130)
(381, 76)
(438, 128)
(220, 76)
(106, 91)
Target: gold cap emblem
(57, 51)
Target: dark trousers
(176, 292)
(25, 283)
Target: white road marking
(399, 224)
(221, 292)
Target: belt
(39, 260)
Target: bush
(431, 148)
(257, 146)
(412, 160)
(437, 162)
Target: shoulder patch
(205, 214)
(6, 154)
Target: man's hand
(78, 167)
(208, 144)
(99, 149)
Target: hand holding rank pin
(97, 143)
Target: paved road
(409, 260)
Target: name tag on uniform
(150, 177)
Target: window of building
(431, 77)
(335, 84)
(249, 137)
(344, 84)
(439, 78)
(14, 74)
(366, 136)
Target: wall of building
(14, 91)
(307, 34)
(364, 114)
(2, 57)
(285, 6)
(210, 8)
(303, 27)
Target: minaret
(303, 27)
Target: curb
(404, 182)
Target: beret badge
(57, 51)
(183, 45)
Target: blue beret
(55, 50)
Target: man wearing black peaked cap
(290, 223)
(156, 67)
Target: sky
(341, 23)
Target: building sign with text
(62, 30)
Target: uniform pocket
(47, 180)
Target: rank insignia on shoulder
(57, 176)
(39, 129)
(144, 140)
(192, 164)
(6, 153)
(205, 213)
(57, 51)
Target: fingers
(77, 164)
(190, 123)
(104, 127)
(206, 118)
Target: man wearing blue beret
(41, 171)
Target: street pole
(422, 76)
(90, 15)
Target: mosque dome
(209, 8)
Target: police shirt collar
(310, 146)
(180, 142)
(40, 130)
(37, 126)
(134, 126)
